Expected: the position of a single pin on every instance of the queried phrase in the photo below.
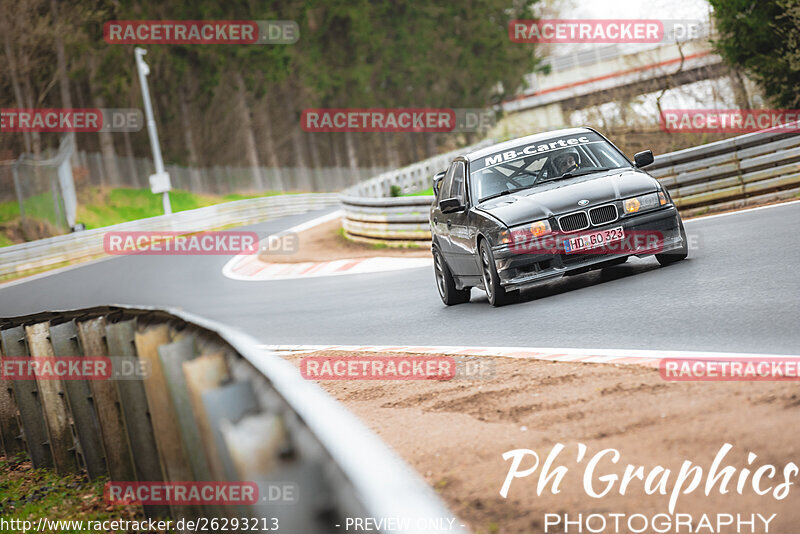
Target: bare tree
(188, 138)
(63, 78)
(247, 130)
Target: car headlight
(538, 228)
(645, 202)
(499, 236)
(526, 232)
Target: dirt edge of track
(325, 242)
(455, 432)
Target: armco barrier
(87, 244)
(210, 406)
(745, 170)
(400, 221)
(372, 215)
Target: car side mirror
(451, 205)
(437, 179)
(643, 159)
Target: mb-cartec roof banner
(535, 148)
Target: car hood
(562, 196)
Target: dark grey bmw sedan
(545, 206)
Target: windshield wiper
(502, 193)
(582, 172)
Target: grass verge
(428, 192)
(99, 207)
(29, 494)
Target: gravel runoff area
(454, 433)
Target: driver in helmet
(566, 161)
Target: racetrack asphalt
(739, 291)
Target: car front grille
(603, 214)
(573, 222)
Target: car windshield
(534, 164)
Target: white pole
(152, 132)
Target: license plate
(593, 240)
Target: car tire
(673, 256)
(495, 292)
(445, 282)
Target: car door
(439, 220)
(461, 226)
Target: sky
(713, 94)
(633, 9)
(621, 9)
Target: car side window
(457, 189)
(447, 182)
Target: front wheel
(675, 255)
(497, 294)
(446, 283)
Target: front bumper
(519, 267)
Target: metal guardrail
(398, 221)
(211, 407)
(746, 170)
(409, 179)
(18, 259)
(372, 215)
